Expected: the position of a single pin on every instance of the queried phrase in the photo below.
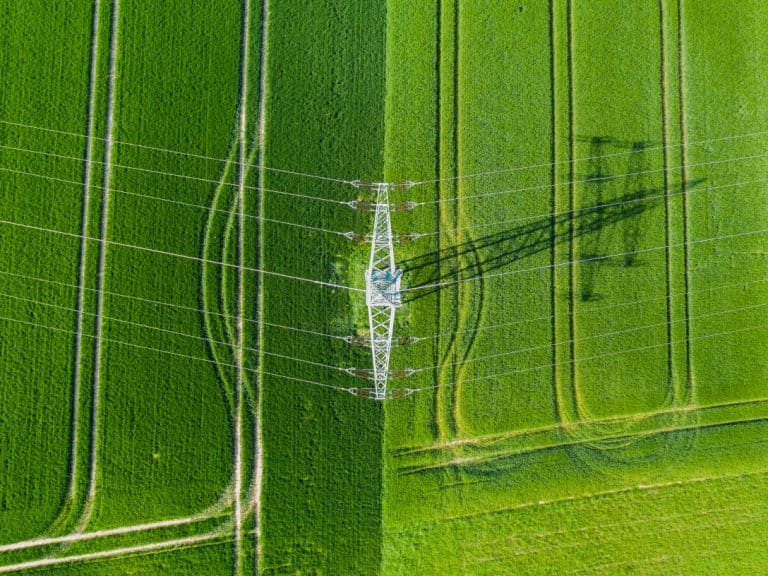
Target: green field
(589, 295)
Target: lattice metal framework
(382, 287)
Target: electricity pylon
(382, 293)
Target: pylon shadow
(532, 236)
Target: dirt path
(106, 184)
(81, 279)
(258, 466)
(79, 537)
(44, 562)
(242, 172)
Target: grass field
(589, 294)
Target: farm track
(481, 440)
(444, 219)
(606, 494)
(563, 289)
(691, 392)
(240, 380)
(120, 531)
(587, 441)
(258, 466)
(178, 543)
(100, 281)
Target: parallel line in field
(554, 178)
(571, 270)
(101, 278)
(439, 399)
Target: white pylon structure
(382, 291)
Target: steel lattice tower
(382, 288)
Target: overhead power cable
(593, 208)
(589, 180)
(581, 261)
(173, 174)
(177, 255)
(171, 201)
(597, 157)
(592, 310)
(161, 351)
(177, 152)
(169, 304)
(173, 332)
(595, 357)
(549, 345)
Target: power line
(170, 352)
(591, 259)
(177, 152)
(588, 209)
(594, 336)
(171, 201)
(598, 157)
(168, 331)
(174, 174)
(169, 304)
(591, 310)
(176, 255)
(588, 180)
(575, 360)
